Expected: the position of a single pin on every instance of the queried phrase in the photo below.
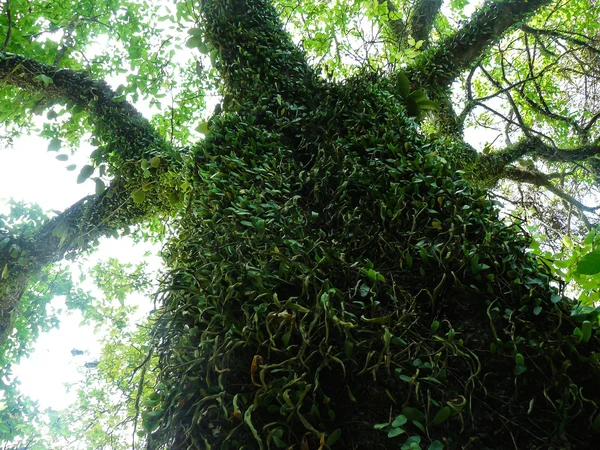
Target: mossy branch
(444, 62)
(422, 18)
(132, 138)
(254, 51)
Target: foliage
(337, 275)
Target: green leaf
(519, 370)
(196, 31)
(155, 162)
(589, 264)
(586, 329)
(428, 105)
(413, 414)
(403, 84)
(54, 145)
(442, 415)
(412, 108)
(194, 41)
(71, 167)
(396, 432)
(279, 442)
(5, 271)
(418, 96)
(62, 157)
(202, 128)
(436, 445)
(100, 187)
(43, 79)
(334, 437)
(138, 196)
(85, 172)
(399, 421)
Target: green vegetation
(338, 271)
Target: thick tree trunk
(337, 284)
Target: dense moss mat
(335, 281)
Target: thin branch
(561, 34)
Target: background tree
(337, 275)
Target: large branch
(496, 161)
(130, 137)
(422, 18)
(254, 50)
(539, 179)
(444, 62)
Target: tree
(338, 276)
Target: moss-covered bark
(336, 283)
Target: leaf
(413, 414)
(194, 42)
(396, 432)
(278, 442)
(403, 84)
(5, 271)
(195, 31)
(138, 196)
(589, 264)
(43, 79)
(85, 172)
(428, 105)
(71, 167)
(202, 128)
(399, 421)
(412, 108)
(334, 437)
(62, 157)
(54, 145)
(442, 415)
(418, 96)
(155, 162)
(100, 187)
(436, 445)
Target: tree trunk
(336, 283)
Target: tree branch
(560, 34)
(128, 137)
(422, 18)
(539, 179)
(254, 50)
(444, 62)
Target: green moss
(333, 271)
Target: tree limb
(444, 62)
(422, 18)
(254, 50)
(131, 138)
(539, 179)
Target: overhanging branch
(444, 62)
